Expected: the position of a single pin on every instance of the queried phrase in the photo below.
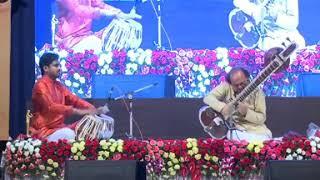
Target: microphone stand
(129, 95)
(159, 45)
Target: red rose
(66, 153)
(166, 147)
(54, 158)
(134, 149)
(60, 152)
(139, 156)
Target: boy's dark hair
(46, 59)
(235, 69)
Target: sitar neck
(277, 61)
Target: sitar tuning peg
(283, 44)
(288, 39)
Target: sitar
(213, 121)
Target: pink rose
(157, 156)
(156, 149)
(17, 171)
(182, 52)
(116, 156)
(227, 149)
(160, 143)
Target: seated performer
(250, 114)
(75, 19)
(277, 19)
(52, 102)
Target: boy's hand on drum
(103, 110)
(82, 112)
(107, 12)
(128, 16)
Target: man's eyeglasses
(242, 84)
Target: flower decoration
(23, 157)
(196, 71)
(84, 149)
(110, 149)
(53, 156)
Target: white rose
(75, 84)
(103, 71)
(195, 67)
(140, 51)
(313, 144)
(134, 67)
(313, 149)
(317, 139)
(37, 142)
(148, 60)
(300, 158)
(76, 76)
(206, 82)
(202, 68)
(203, 89)
(288, 150)
(294, 155)
(31, 149)
(128, 72)
(108, 60)
(130, 53)
(221, 64)
(13, 149)
(101, 61)
(223, 52)
(195, 93)
(299, 150)
(26, 146)
(205, 74)
(82, 80)
(318, 146)
(80, 91)
(228, 69)
(148, 52)
(26, 153)
(225, 61)
(63, 53)
(141, 59)
(110, 71)
(67, 83)
(289, 157)
(64, 68)
(63, 62)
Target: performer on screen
(75, 17)
(274, 19)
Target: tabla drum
(95, 126)
(122, 34)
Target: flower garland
(164, 158)
(196, 71)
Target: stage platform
(177, 118)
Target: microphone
(110, 93)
